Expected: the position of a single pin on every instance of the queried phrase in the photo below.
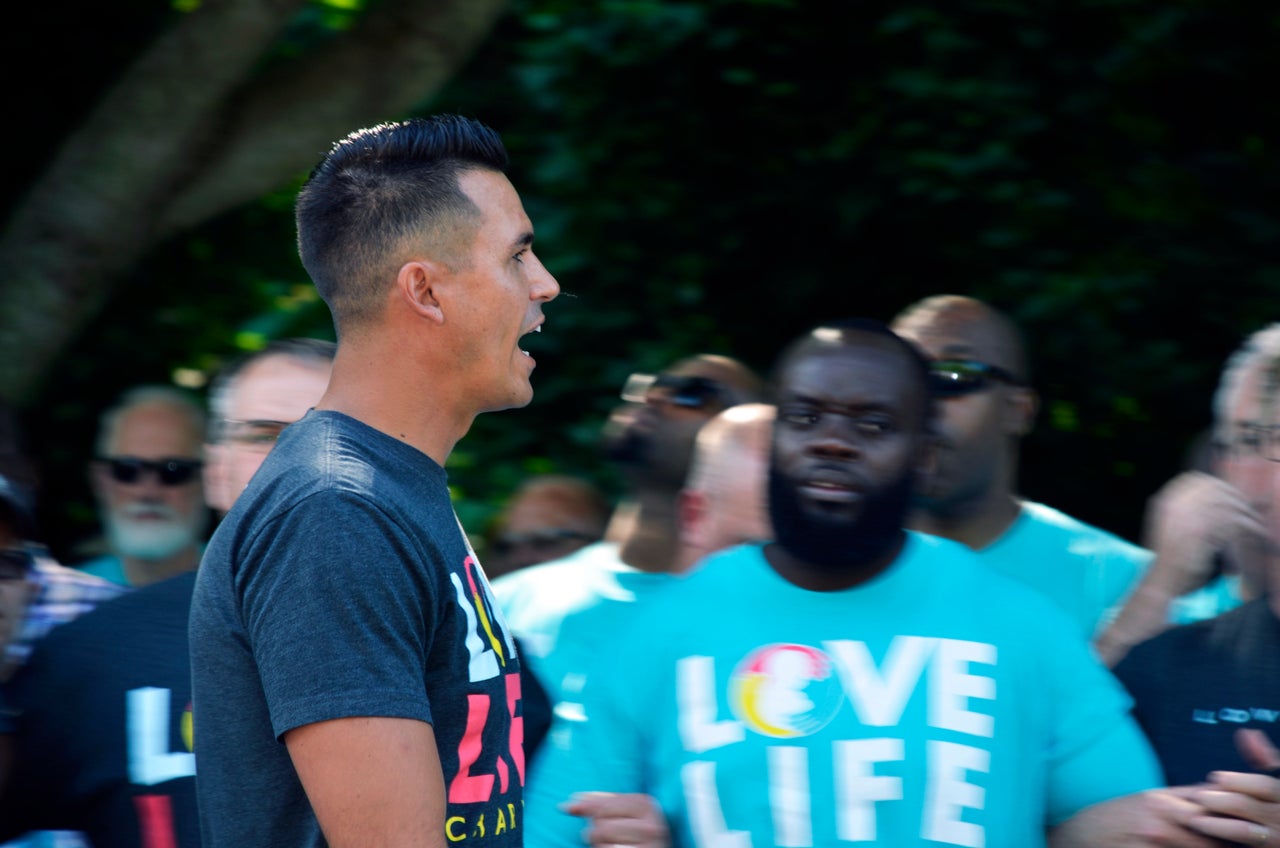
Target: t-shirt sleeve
(334, 613)
(1096, 750)
(595, 744)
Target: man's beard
(627, 447)
(837, 543)
(153, 539)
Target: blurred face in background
(1249, 454)
(148, 483)
(652, 435)
(267, 396)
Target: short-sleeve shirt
(341, 585)
(939, 703)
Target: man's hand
(620, 819)
(1194, 517)
(1158, 818)
(1244, 808)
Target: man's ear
(691, 511)
(418, 285)
(1023, 404)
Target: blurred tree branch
(206, 119)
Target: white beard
(152, 539)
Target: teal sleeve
(594, 744)
(1119, 762)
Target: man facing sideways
(339, 609)
(103, 708)
(722, 502)
(851, 681)
(1215, 534)
(978, 368)
(146, 478)
(559, 609)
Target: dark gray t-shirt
(341, 585)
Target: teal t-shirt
(558, 610)
(1085, 570)
(109, 567)
(938, 704)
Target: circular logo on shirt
(785, 690)
(188, 728)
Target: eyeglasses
(544, 539)
(1253, 440)
(690, 392)
(170, 472)
(255, 433)
(15, 564)
(950, 378)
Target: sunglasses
(544, 539)
(170, 472)
(15, 564)
(950, 378)
(259, 433)
(689, 392)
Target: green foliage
(719, 175)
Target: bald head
(950, 326)
(723, 501)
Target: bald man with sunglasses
(979, 374)
(561, 608)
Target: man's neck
(976, 527)
(830, 578)
(644, 526)
(389, 400)
(143, 572)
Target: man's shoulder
(1046, 523)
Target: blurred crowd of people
(818, 612)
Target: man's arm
(372, 782)
(1193, 517)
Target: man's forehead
(959, 334)
(876, 365)
(157, 429)
(278, 388)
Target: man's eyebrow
(524, 239)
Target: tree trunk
(200, 124)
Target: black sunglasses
(171, 472)
(950, 378)
(691, 392)
(543, 539)
(15, 564)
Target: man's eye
(519, 257)
(798, 419)
(873, 426)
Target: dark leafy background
(720, 175)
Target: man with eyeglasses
(109, 697)
(146, 477)
(978, 372)
(560, 608)
(251, 402)
(1216, 532)
(549, 516)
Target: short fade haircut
(381, 192)
(313, 351)
(149, 395)
(1261, 350)
(835, 334)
